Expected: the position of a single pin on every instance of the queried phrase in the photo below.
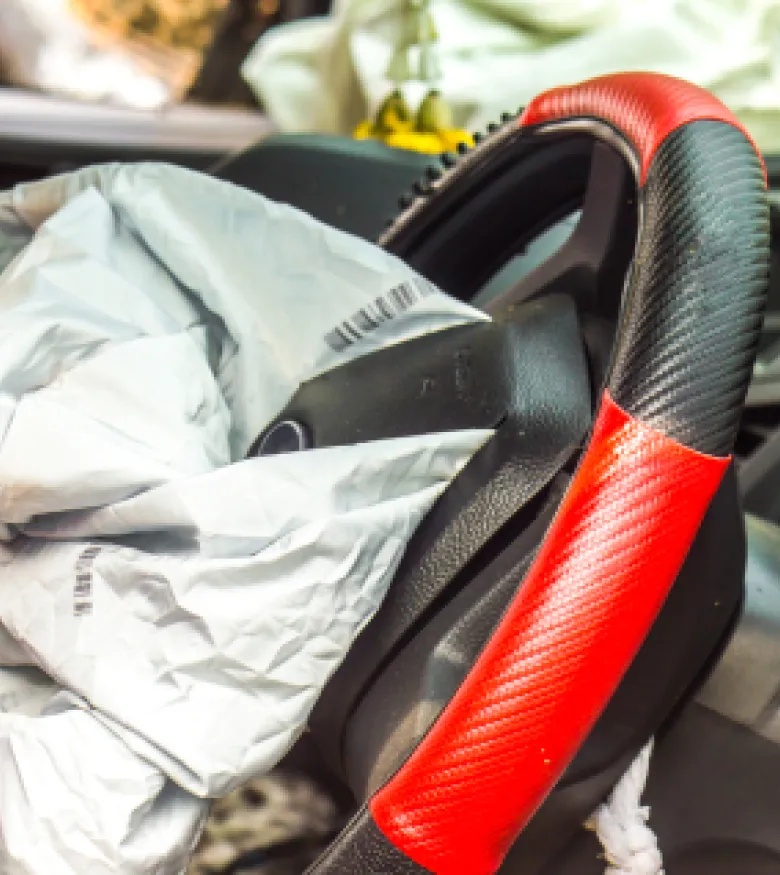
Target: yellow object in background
(393, 115)
(430, 131)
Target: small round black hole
(283, 437)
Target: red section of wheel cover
(587, 603)
(645, 107)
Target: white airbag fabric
(185, 604)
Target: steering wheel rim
(683, 354)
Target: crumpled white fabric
(187, 603)
(328, 74)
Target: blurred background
(326, 65)
(138, 53)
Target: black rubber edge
(440, 172)
(363, 849)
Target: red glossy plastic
(644, 107)
(587, 603)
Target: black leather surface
(361, 849)
(543, 372)
(454, 379)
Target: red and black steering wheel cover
(692, 311)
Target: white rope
(630, 845)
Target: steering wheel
(673, 239)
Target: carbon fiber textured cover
(595, 588)
(691, 322)
(644, 107)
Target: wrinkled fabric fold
(169, 609)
